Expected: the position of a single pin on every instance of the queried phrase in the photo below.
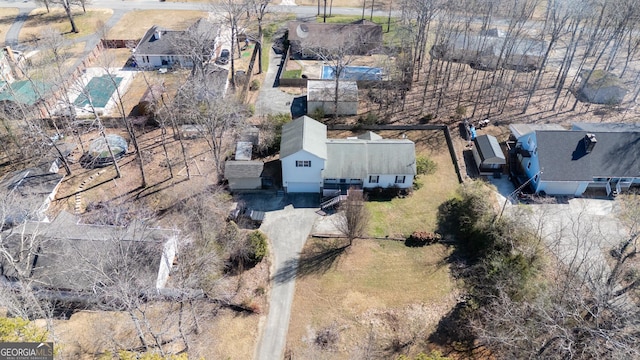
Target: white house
(313, 163)
(161, 47)
(568, 162)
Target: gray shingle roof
(243, 169)
(607, 127)
(489, 150)
(72, 255)
(563, 157)
(167, 43)
(304, 133)
(357, 158)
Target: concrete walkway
(288, 230)
(271, 99)
(11, 38)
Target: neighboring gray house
(74, 261)
(161, 47)
(602, 88)
(488, 155)
(313, 163)
(311, 40)
(321, 95)
(491, 49)
(568, 162)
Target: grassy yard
(87, 23)
(379, 289)
(376, 288)
(401, 217)
(134, 24)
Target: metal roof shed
(488, 154)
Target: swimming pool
(353, 73)
(99, 89)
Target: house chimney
(590, 142)
(158, 34)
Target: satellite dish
(302, 31)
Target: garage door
(303, 187)
(560, 188)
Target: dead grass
(134, 24)
(376, 287)
(87, 23)
(7, 17)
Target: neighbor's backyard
(379, 293)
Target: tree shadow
(317, 260)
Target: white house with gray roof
(313, 163)
(160, 47)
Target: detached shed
(321, 95)
(602, 87)
(243, 175)
(488, 155)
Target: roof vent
(158, 34)
(590, 142)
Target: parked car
(223, 59)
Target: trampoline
(353, 73)
(99, 155)
(100, 89)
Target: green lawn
(417, 212)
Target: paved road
(288, 230)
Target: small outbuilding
(488, 155)
(321, 94)
(243, 175)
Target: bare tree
(353, 217)
(66, 5)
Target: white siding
(386, 181)
(302, 187)
(572, 188)
(245, 183)
(293, 174)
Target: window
(400, 179)
(303, 163)
(535, 178)
(373, 179)
(529, 165)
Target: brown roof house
(322, 40)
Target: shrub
(318, 113)
(370, 119)
(425, 166)
(255, 85)
(422, 238)
(259, 245)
